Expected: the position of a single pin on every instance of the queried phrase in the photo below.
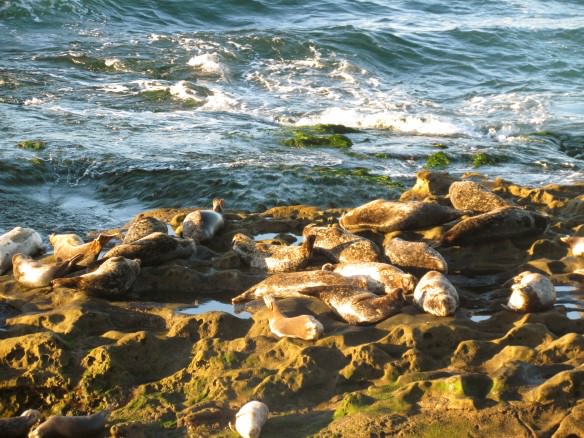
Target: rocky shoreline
(164, 373)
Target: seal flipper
(65, 267)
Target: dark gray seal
(469, 195)
(18, 427)
(144, 226)
(341, 246)
(418, 256)
(71, 426)
(154, 249)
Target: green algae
(330, 128)
(482, 159)
(352, 403)
(437, 160)
(304, 139)
(32, 145)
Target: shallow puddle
(572, 298)
(212, 306)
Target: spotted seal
(71, 426)
(575, 243)
(469, 195)
(250, 419)
(33, 273)
(386, 216)
(21, 240)
(202, 225)
(144, 226)
(381, 277)
(112, 279)
(305, 327)
(418, 256)
(18, 427)
(272, 258)
(531, 292)
(154, 249)
(499, 224)
(436, 295)
(67, 246)
(341, 246)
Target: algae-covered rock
(304, 139)
(32, 145)
(437, 160)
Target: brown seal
(142, 227)
(469, 195)
(18, 427)
(33, 273)
(154, 249)
(341, 246)
(67, 246)
(436, 295)
(418, 256)
(386, 216)
(18, 240)
(272, 258)
(531, 292)
(71, 426)
(381, 277)
(305, 327)
(202, 225)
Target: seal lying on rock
(144, 226)
(469, 195)
(380, 277)
(33, 273)
(113, 278)
(18, 240)
(250, 419)
(305, 327)
(341, 246)
(576, 244)
(501, 223)
(436, 295)
(18, 427)
(202, 225)
(71, 426)
(414, 255)
(154, 249)
(386, 216)
(272, 258)
(531, 292)
(67, 246)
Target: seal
(144, 226)
(469, 195)
(381, 277)
(112, 279)
(292, 284)
(341, 246)
(305, 327)
(499, 224)
(18, 427)
(67, 246)
(575, 243)
(272, 258)
(21, 240)
(33, 273)
(386, 216)
(436, 295)
(415, 256)
(202, 225)
(153, 249)
(531, 292)
(71, 426)
(250, 419)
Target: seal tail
(247, 295)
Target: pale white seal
(33, 273)
(18, 240)
(381, 277)
(576, 244)
(531, 292)
(67, 246)
(305, 327)
(250, 419)
(202, 225)
(154, 249)
(436, 295)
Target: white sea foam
(209, 64)
(220, 100)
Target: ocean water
(159, 103)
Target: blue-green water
(159, 103)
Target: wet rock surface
(163, 372)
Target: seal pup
(18, 427)
(414, 255)
(499, 224)
(292, 284)
(381, 277)
(531, 292)
(67, 246)
(144, 226)
(575, 243)
(18, 240)
(71, 426)
(250, 419)
(153, 249)
(272, 258)
(33, 273)
(469, 195)
(305, 327)
(341, 246)
(436, 295)
(386, 216)
(202, 225)
(113, 278)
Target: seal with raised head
(341, 246)
(18, 240)
(67, 246)
(154, 249)
(386, 216)
(575, 243)
(435, 294)
(305, 327)
(292, 284)
(470, 195)
(499, 224)
(33, 273)
(250, 419)
(272, 258)
(381, 277)
(531, 292)
(71, 426)
(18, 427)
(142, 227)
(112, 279)
(418, 256)
(202, 225)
